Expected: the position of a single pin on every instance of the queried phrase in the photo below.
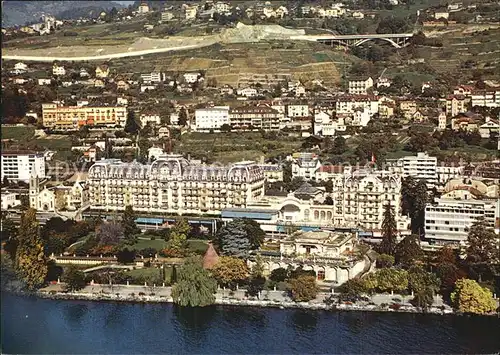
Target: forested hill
(23, 12)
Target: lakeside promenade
(271, 298)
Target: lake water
(31, 325)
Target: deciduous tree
(74, 278)
(303, 288)
(109, 233)
(178, 235)
(384, 261)
(195, 286)
(279, 275)
(392, 280)
(30, 260)
(230, 271)
(470, 297)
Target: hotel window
(321, 275)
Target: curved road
(105, 56)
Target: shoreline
(145, 299)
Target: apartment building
(421, 166)
(351, 103)
(360, 197)
(456, 104)
(153, 77)
(449, 218)
(58, 70)
(151, 118)
(298, 110)
(255, 117)
(69, 118)
(304, 165)
(20, 165)
(485, 98)
(172, 184)
(360, 86)
(211, 118)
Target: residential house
(360, 85)
(222, 8)
(358, 15)
(298, 110)
(464, 90)
(467, 123)
(84, 73)
(153, 77)
(191, 78)
(349, 103)
(190, 12)
(442, 121)
(149, 118)
(147, 87)
(21, 67)
(441, 15)
(163, 132)
(122, 85)
(489, 127)
(98, 83)
(143, 8)
(408, 108)
(247, 92)
(58, 70)
(383, 82)
(167, 16)
(102, 71)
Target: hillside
(19, 13)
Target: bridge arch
(389, 40)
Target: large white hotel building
(173, 185)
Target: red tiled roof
(210, 258)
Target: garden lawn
(157, 244)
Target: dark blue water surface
(31, 325)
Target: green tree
(173, 276)
(129, 226)
(239, 236)
(30, 261)
(131, 125)
(423, 298)
(195, 286)
(482, 243)
(339, 146)
(408, 251)
(303, 288)
(354, 288)
(420, 280)
(258, 267)
(392, 280)
(74, 278)
(414, 195)
(230, 271)
(125, 256)
(178, 235)
(470, 297)
(279, 275)
(183, 119)
(385, 261)
(389, 232)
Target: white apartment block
(167, 16)
(349, 104)
(297, 110)
(359, 86)
(73, 117)
(247, 92)
(222, 7)
(58, 70)
(419, 167)
(448, 219)
(153, 77)
(255, 117)
(173, 184)
(455, 104)
(446, 173)
(485, 98)
(304, 165)
(212, 118)
(21, 165)
(151, 119)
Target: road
(105, 56)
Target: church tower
(34, 190)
